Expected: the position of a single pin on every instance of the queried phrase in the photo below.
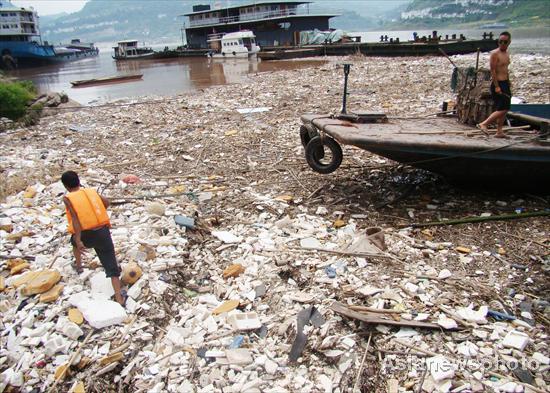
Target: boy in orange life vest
(89, 225)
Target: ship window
(240, 42)
(4, 14)
(12, 14)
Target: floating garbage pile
(247, 272)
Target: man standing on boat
(500, 86)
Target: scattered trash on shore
(247, 272)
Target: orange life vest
(89, 209)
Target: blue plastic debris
(237, 342)
(330, 271)
(500, 316)
(183, 221)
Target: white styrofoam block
(515, 339)
(239, 356)
(68, 328)
(440, 368)
(56, 344)
(177, 335)
(244, 321)
(101, 313)
(227, 237)
(539, 357)
(101, 286)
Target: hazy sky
(48, 7)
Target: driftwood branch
(469, 220)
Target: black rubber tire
(312, 154)
(307, 131)
(234, 54)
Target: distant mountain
(50, 18)
(446, 12)
(108, 21)
(156, 21)
(361, 15)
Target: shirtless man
(500, 87)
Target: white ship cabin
(237, 44)
(130, 49)
(17, 24)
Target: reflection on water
(160, 77)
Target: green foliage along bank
(14, 98)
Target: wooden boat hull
(109, 79)
(443, 146)
(290, 54)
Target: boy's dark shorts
(502, 101)
(100, 240)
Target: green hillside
(471, 12)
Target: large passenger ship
(273, 23)
(21, 44)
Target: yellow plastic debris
(19, 268)
(111, 359)
(2, 284)
(428, 234)
(16, 237)
(231, 132)
(8, 228)
(84, 362)
(501, 251)
(177, 189)
(76, 316)
(233, 271)
(52, 295)
(39, 282)
(131, 273)
(464, 250)
(339, 223)
(79, 388)
(11, 263)
(226, 307)
(215, 189)
(285, 198)
(30, 192)
(62, 371)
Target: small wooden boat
(440, 145)
(107, 79)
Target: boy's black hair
(506, 34)
(70, 179)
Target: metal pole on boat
(346, 73)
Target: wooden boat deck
(444, 146)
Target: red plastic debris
(40, 364)
(131, 179)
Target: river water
(161, 77)
(173, 76)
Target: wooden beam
(339, 308)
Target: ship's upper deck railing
(249, 16)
